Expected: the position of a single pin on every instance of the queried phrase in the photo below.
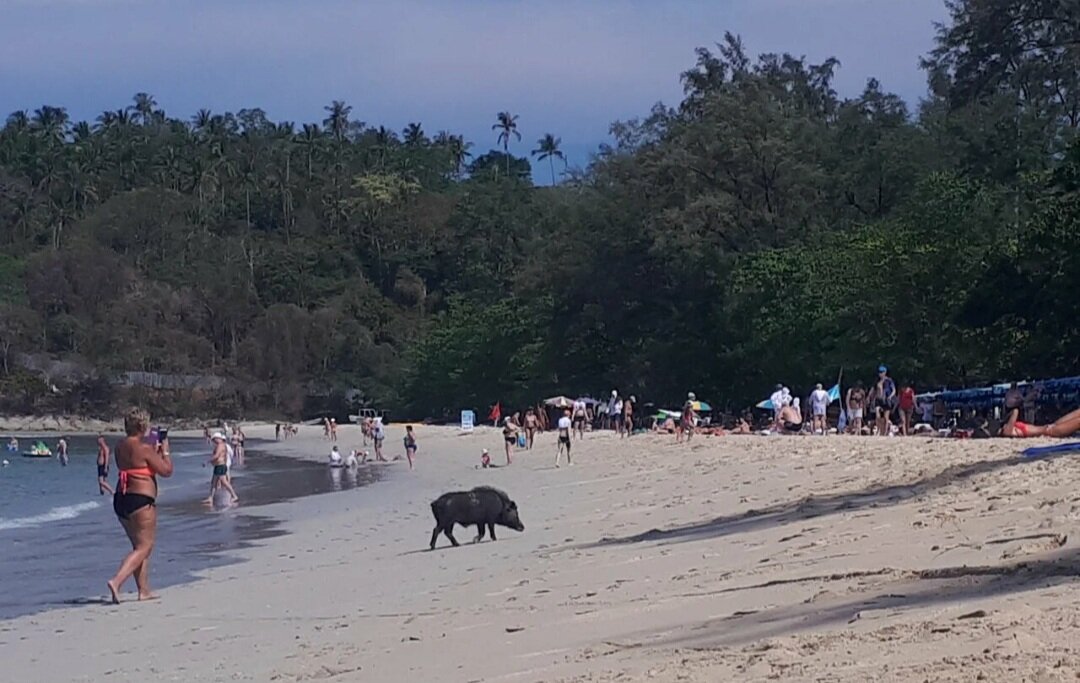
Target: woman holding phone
(134, 501)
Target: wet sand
(736, 558)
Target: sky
(568, 68)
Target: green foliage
(764, 229)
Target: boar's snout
(512, 520)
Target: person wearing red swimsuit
(134, 502)
(1066, 425)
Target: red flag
(495, 414)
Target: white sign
(468, 419)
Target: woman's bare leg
(140, 528)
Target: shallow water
(60, 541)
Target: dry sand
(736, 558)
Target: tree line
(763, 229)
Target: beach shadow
(931, 587)
(812, 507)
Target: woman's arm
(160, 460)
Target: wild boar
(483, 506)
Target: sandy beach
(736, 558)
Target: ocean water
(60, 541)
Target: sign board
(468, 419)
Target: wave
(54, 515)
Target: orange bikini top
(136, 471)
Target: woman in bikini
(1066, 425)
(134, 502)
(532, 425)
(510, 437)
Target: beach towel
(1043, 451)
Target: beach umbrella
(588, 401)
(765, 405)
(700, 406)
(558, 402)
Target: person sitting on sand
(742, 427)
(1065, 426)
(791, 420)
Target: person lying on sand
(1067, 425)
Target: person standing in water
(135, 500)
(565, 426)
(410, 445)
(378, 435)
(62, 451)
(103, 466)
(220, 461)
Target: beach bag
(521, 441)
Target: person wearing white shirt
(819, 403)
(777, 401)
(335, 457)
(350, 459)
(565, 426)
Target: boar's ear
(513, 505)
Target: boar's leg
(491, 530)
(449, 531)
(435, 535)
(479, 533)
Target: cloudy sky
(565, 67)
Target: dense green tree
(762, 229)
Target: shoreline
(741, 558)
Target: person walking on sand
(819, 404)
(410, 445)
(220, 460)
(686, 423)
(532, 424)
(103, 466)
(856, 403)
(333, 430)
(581, 414)
(565, 426)
(613, 409)
(510, 437)
(884, 395)
(135, 500)
(907, 407)
(628, 417)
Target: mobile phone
(163, 433)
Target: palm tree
(549, 149)
(18, 121)
(413, 134)
(51, 122)
(202, 120)
(507, 126)
(309, 139)
(337, 121)
(456, 147)
(143, 107)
